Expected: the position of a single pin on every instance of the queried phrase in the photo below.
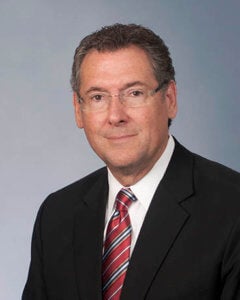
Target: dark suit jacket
(188, 248)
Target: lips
(120, 139)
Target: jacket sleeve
(231, 266)
(35, 288)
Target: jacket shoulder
(204, 168)
(216, 173)
(83, 183)
(70, 196)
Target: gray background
(41, 148)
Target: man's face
(129, 140)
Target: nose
(117, 114)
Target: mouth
(121, 137)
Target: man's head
(119, 36)
(124, 96)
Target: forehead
(127, 64)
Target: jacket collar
(163, 223)
(88, 238)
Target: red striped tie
(117, 247)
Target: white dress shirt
(144, 190)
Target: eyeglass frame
(121, 94)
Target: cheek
(91, 133)
(91, 124)
(155, 123)
(152, 119)
(93, 130)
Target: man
(173, 231)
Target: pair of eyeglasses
(131, 97)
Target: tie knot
(124, 199)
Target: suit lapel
(163, 223)
(88, 242)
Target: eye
(136, 93)
(97, 97)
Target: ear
(171, 99)
(77, 111)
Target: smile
(120, 137)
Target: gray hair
(118, 36)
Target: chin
(123, 166)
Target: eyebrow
(95, 89)
(131, 84)
(126, 86)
